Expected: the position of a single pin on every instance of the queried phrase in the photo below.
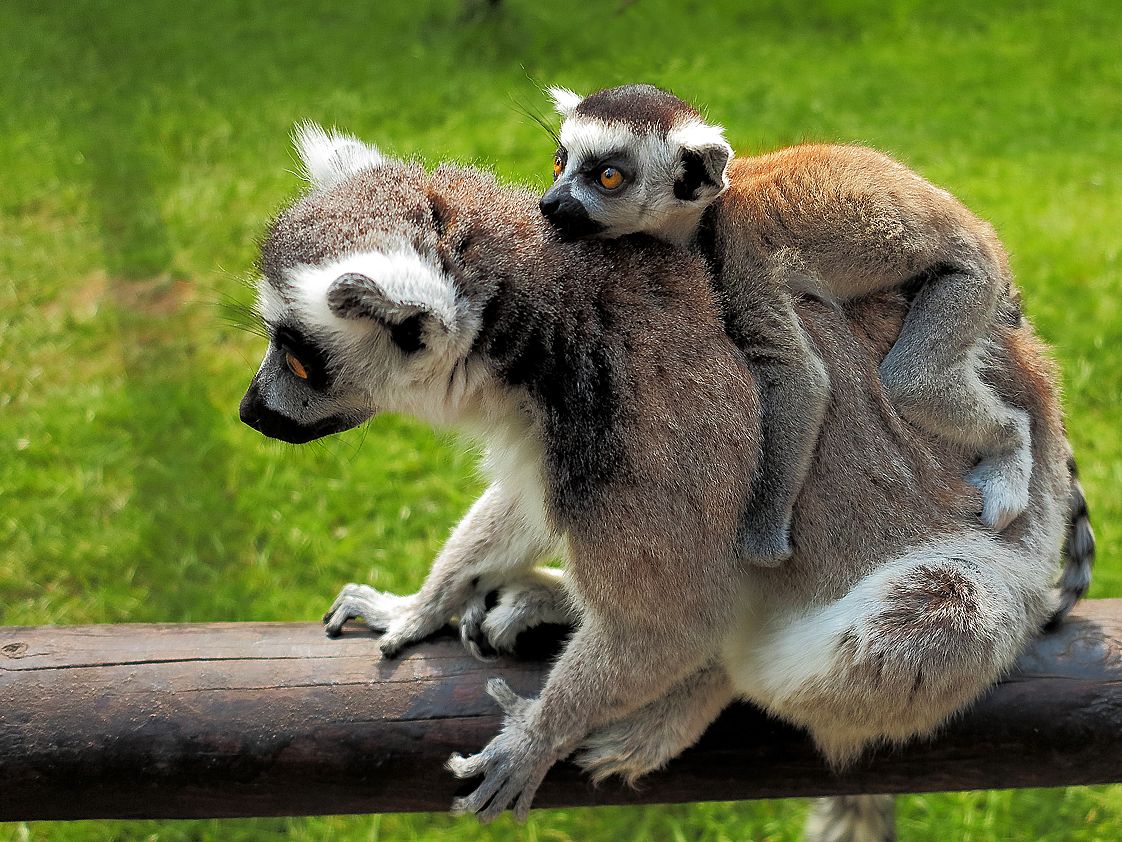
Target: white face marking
(439, 384)
(584, 138)
(271, 306)
(402, 275)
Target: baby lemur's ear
(331, 157)
(704, 156)
(410, 299)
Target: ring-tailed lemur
(835, 222)
(623, 429)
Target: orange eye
(611, 178)
(558, 167)
(296, 367)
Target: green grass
(144, 146)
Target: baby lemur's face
(360, 315)
(633, 159)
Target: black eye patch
(310, 354)
(619, 164)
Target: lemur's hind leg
(647, 739)
(648, 658)
(907, 647)
(931, 375)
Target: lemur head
(631, 159)
(360, 312)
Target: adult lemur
(834, 222)
(623, 429)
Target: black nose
(566, 214)
(558, 204)
(248, 409)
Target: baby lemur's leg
(793, 388)
(932, 377)
(490, 545)
(648, 738)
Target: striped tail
(1079, 551)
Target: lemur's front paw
(1004, 483)
(488, 626)
(513, 764)
(377, 610)
(399, 617)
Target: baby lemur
(833, 222)
(623, 431)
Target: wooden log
(266, 719)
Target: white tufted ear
(705, 144)
(331, 157)
(389, 287)
(564, 100)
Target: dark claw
(471, 628)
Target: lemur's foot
(647, 738)
(629, 748)
(512, 764)
(376, 610)
(1004, 483)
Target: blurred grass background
(144, 146)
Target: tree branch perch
(268, 719)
